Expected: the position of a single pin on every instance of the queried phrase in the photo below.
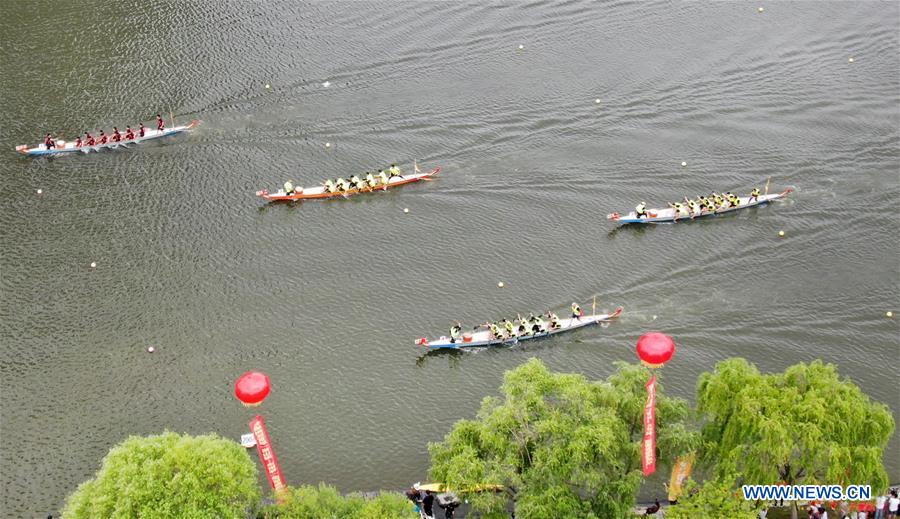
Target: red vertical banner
(267, 454)
(648, 447)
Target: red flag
(267, 454)
(648, 447)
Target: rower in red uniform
(129, 133)
(116, 136)
(89, 139)
(78, 142)
(103, 138)
(48, 142)
(160, 124)
(141, 130)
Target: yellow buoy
(500, 284)
(889, 313)
(781, 233)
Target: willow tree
(324, 501)
(803, 426)
(560, 445)
(169, 475)
(715, 499)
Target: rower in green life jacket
(733, 201)
(495, 331)
(717, 199)
(754, 195)
(523, 325)
(355, 182)
(370, 180)
(509, 326)
(537, 324)
(455, 331)
(679, 210)
(641, 210)
(394, 171)
(329, 186)
(693, 208)
(576, 311)
(288, 188)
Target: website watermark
(807, 492)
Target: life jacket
(576, 310)
(509, 326)
(129, 134)
(288, 187)
(383, 176)
(454, 331)
(370, 180)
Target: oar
(767, 186)
(594, 306)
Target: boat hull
(668, 215)
(69, 147)
(482, 338)
(319, 191)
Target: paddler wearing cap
(641, 210)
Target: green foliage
(169, 475)
(714, 500)
(562, 446)
(803, 426)
(324, 502)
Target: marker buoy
(326, 84)
(597, 101)
(683, 164)
(889, 313)
(151, 349)
(327, 144)
(406, 209)
(267, 86)
(93, 264)
(760, 9)
(40, 191)
(521, 47)
(781, 234)
(500, 284)
(850, 60)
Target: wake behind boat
(61, 147)
(499, 336)
(712, 206)
(345, 189)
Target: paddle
(594, 306)
(767, 186)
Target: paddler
(329, 186)
(384, 178)
(370, 180)
(78, 142)
(116, 136)
(339, 183)
(129, 133)
(523, 325)
(49, 142)
(495, 330)
(709, 204)
(394, 171)
(537, 325)
(160, 124)
(692, 206)
(345, 185)
(509, 326)
(754, 195)
(103, 138)
(289, 188)
(576, 311)
(641, 210)
(718, 200)
(554, 320)
(733, 201)
(89, 139)
(355, 182)
(141, 130)
(679, 209)
(454, 332)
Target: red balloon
(252, 388)
(655, 349)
